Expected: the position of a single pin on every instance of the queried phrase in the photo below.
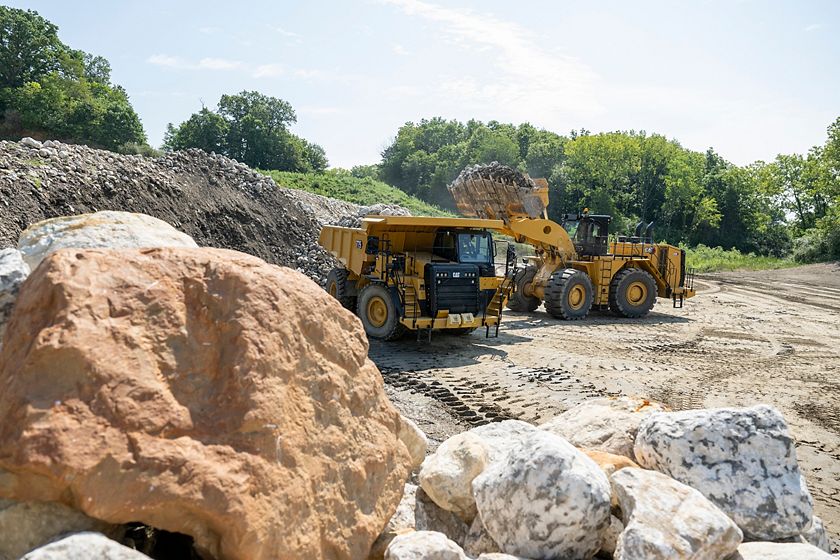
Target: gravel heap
(494, 171)
(355, 220)
(216, 200)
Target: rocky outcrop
(779, 551)
(417, 511)
(546, 499)
(199, 391)
(424, 545)
(414, 440)
(666, 520)
(25, 526)
(85, 546)
(603, 424)
(105, 230)
(743, 460)
(447, 474)
(13, 271)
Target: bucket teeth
(499, 192)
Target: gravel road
(747, 338)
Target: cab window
(474, 248)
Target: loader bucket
(498, 192)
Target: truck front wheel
(378, 312)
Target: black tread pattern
(556, 294)
(618, 287)
(342, 293)
(518, 301)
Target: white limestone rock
(106, 229)
(610, 539)
(779, 551)
(416, 511)
(816, 535)
(499, 556)
(667, 520)
(415, 441)
(447, 475)
(500, 437)
(423, 545)
(545, 499)
(478, 541)
(85, 546)
(13, 271)
(603, 424)
(743, 460)
(31, 143)
(28, 525)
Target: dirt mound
(217, 201)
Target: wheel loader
(576, 268)
(402, 273)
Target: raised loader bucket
(499, 192)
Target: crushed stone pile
(217, 201)
(380, 209)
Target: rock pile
(198, 391)
(355, 220)
(215, 200)
(706, 481)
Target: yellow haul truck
(575, 267)
(421, 274)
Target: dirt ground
(746, 338)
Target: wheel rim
(577, 297)
(637, 293)
(332, 289)
(377, 311)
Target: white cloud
(286, 32)
(400, 50)
(209, 30)
(529, 80)
(268, 71)
(168, 61)
(307, 74)
(814, 27)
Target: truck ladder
(497, 304)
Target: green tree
(29, 47)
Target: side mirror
(510, 257)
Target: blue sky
(750, 78)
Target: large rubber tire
(378, 312)
(338, 286)
(632, 293)
(518, 301)
(568, 294)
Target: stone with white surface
(780, 551)
(447, 474)
(424, 545)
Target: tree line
(772, 208)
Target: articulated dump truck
(421, 273)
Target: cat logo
(358, 244)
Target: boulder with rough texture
(667, 520)
(106, 229)
(546, 499)
(611, 535)
(779, 551)
(743, 460)
(85, 546)
(199, 391)
(415, 441)
(816, 535)
(13, 271)
(500, 437)
(478, 540)
(499, 556)
(423, 545)
(417, 511)
(28, 525)
(603, 424)
(447, 474)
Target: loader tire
(632, 293)
(518, 301)
(378, 312)
(338, 286)
(568, 294)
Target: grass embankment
(343, 186)
(716, 259)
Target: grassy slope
(713, 259)
(352, 189)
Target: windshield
(571, 227)
(474, 248)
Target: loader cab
(589, 233)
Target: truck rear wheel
(568, 294)
(518, 301)
(338, 286)
(632, 293)
(378, 312)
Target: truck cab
(589, 233)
